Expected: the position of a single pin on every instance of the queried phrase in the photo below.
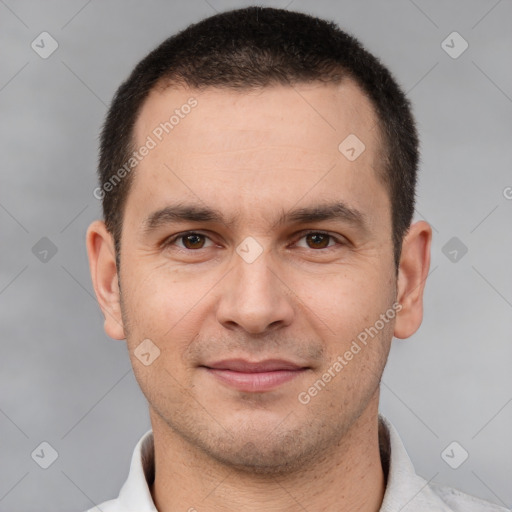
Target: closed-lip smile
(257, 376)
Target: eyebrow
(330, 211)
(195, 213)
(183, 213)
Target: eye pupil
(193, 241)
(318, 240)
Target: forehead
(313, 117)
(209, 141)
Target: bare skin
(254, 157)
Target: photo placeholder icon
(44, 45)
(454, 455)
(44, 250)
(454, 249)
(351, 147)
(454, 45)
(249, 249)
(146, 352)
(44, 455)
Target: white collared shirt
(405, 490)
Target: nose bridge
(253, 297)
(254, 276)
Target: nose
(254, 297)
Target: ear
(102, 263)
(412, 274)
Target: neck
(349, 477)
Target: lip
(242, 365)
(254, 376)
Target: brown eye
(317, 240)
(193, 241)
(188, 241)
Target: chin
(263, 452)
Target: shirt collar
(135, 494)
(405, 490)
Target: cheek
(166, 307)
(346, 300)
(342, 310)
(161, 311)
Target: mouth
(254, 377)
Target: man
(258, 174)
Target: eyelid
(170, 240)
(339, 239)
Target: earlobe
(412, 274)
(102, 264)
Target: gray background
(64, 382)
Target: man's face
(253, 285)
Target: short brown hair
(258, 47)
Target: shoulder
(460, 502)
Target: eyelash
(170, 241)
